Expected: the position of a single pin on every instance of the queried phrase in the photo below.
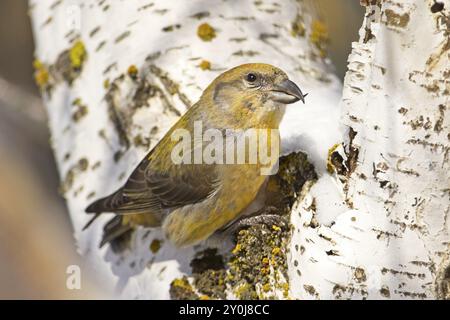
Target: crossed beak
(287, 92)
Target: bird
(191, 201)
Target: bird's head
(253, 89)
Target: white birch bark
(391, 237)
(364, 232)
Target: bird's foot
(269, 216)
(267, 219)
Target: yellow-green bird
(192, 201)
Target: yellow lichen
(76, 102)
(132, 71)
(330, 166)
(206, 32)
(106, 83)
(245, 291)
(273, 261)
(265, 270)
(181, 289)
(77, 54)
(37, 64)
(319, 36)
(250, 273)
(236, 249)
(205, 65)
(155, 245)
(285, 287)
(41, 75)
(181, 283)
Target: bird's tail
(117, 233)
(106, 204)
(91, 221)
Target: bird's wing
(152, 189)
(149, 190)
(182, 185)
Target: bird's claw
(267, 218)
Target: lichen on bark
(256, 267)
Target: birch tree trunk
(368, 217)
(391, 237)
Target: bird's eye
(251, 77)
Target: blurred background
(36, 244)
